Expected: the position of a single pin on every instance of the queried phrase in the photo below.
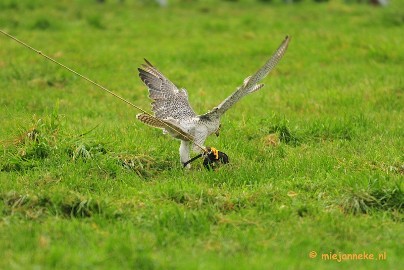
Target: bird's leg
(185, 153)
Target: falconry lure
(175, 116)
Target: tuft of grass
(331, 131)
(284, 133)
(38, 206)
(366, 201)
(143, 165)
(79, 206)
(220, 202)
(85, 151)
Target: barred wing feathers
(168, 100)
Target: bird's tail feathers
(168, 125)
(149, 120)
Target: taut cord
(99, 86)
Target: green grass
(316, 156)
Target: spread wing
(168, 100)
(250, 84)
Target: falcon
(175, 116)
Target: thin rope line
(99, 86)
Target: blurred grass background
(316, 155)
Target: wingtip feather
(147, 62)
